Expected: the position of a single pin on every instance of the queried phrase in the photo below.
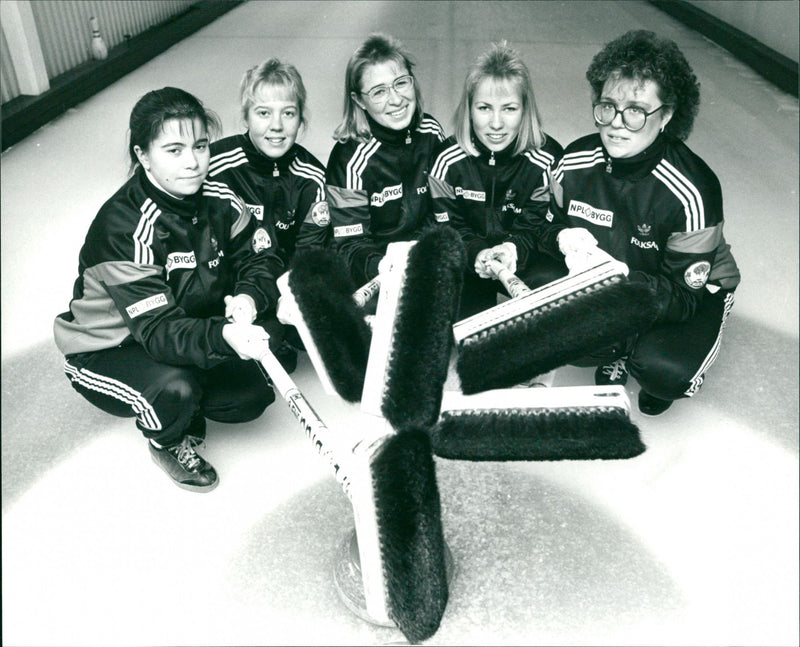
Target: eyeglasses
(380, 93)
(633, 117)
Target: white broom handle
(324, 441)
(367, 291)
(511, 282)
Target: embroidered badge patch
(320, 214)
(261, 240)
(696, 274)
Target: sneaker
(184, 466)
(650, 405)
(613, 374)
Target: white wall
(771, 22)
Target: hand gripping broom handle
(511, 282)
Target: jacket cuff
(215, 339)
(261, 301)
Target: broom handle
(316, 431)
(367, 291)
(351, 466)
(511, 282)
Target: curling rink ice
(694, 542)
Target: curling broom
(538, 330)
(390, 480)
(544, 424)
(317, 298)
(412, 329)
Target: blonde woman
(377, 170)
(491, 179)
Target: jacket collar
(264, 164)
(501, 158)
(184, 207)
(638, 166)
(389, 136)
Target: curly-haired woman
(638, 192)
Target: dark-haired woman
(638, 192)
(172, 275)
(377, 171)
(491, 180)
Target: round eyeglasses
(380, 93)
(633, 117)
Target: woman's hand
(482, 264)
(575, 240)
(240, 309)
(247, 340)
(504, 253)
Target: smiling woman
(490, 180)
(377, 170)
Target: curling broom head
(331, 326)
(410, 529)
(550, 327)
(543, 424)
(412, 330)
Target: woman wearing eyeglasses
(376, 175)
(638, 192)
(491, 180)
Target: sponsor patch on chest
(591, 214)
(256, 210)
(348, 230)
(180, 261)
(388, 194)
(145, 305)
(467, 194)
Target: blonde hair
(501, 64)
(275, 73)
(378, 48)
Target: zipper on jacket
(275, 172)
(408, 136)
(492, 161)
(608, 165)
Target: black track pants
(168, 402)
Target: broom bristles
(410, 530)
(557, 423)
(550, 337)
(422, 338)
(545, 435)
(323, 289)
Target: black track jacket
(378, 192)
(659, 212)
(289, 192)
(494, 197)
(154, 270)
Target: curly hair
(641, 55)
